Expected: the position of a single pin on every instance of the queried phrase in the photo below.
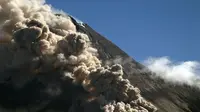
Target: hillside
(51, 62)
(167, 97)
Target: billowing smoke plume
(187, 72)
(35, 39)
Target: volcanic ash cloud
(35, 39)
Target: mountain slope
(26, 90)
(167, 97)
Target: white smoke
(187, 72)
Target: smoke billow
(35, 39)
(187, 72)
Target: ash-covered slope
(167, 97)
(51, 63)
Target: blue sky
(143, 28)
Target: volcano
(167, 97)
(54, 63)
